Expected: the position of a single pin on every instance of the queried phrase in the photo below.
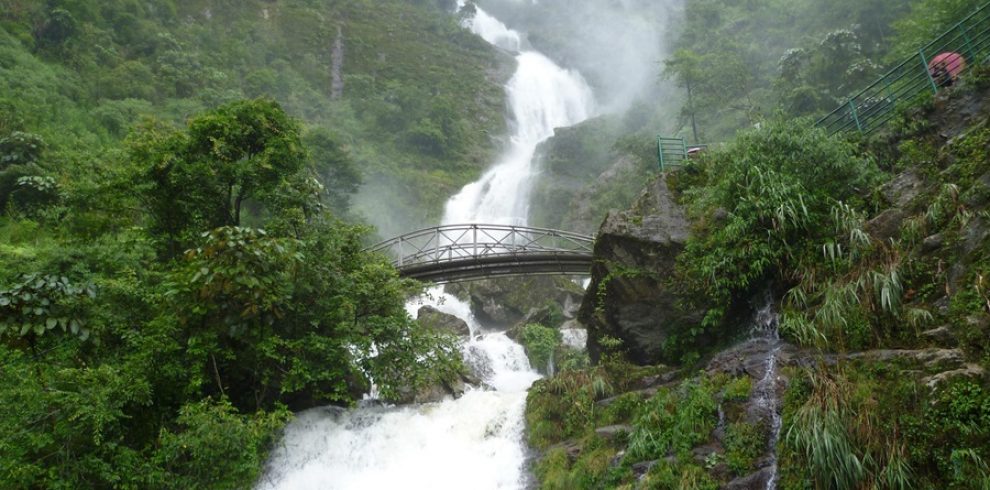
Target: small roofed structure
(945, 68)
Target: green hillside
(419, 110)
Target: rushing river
(475, 441)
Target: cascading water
(542, 97)
(475, 441)
(766, 328)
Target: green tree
(816, 79)
(20, 154)
(335, 168)
(684, 65)
(203, 178)
(57, 28)
(717, 82)
(926, 20)
(303, 321)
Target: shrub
(744, 444)
(778, 186)
(674, 421)
(540, 343)
(216, 447)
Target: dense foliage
(410, 96)
(886, 294)
(173, 275)
(764, 205)
(156, 329)
(872, 249)
(540, 342)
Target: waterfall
(476, 441)
(766, 328)
(542, 97)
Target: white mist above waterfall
(477, 440)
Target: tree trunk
(237, 208)
(694, 123)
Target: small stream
(766, 328)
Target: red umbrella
(952, 63)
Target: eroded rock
(439, 321)
(971, 371)
(436, 392)
(613, 432)
(754, 481)
(505, 302)
(886, 225)
(903, 189)
(944, 359)
(932, 243)
(942, 336)
(636, 251)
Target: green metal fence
(911, 80)
(671, 151)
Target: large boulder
(903, 189)
(436, 392)
(629, 297)
(439, 321)
(504, 302)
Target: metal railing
(673, 152)
(912, 81)
(456, 252)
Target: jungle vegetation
(181, 261)
(180, 264)
(857, 269)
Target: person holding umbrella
(946, 67)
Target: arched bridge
(455, 253)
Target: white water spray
(476, 441)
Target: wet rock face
(439, 321)
(903, 189)
(505, 302)
(755, 481)
(628, 297)
(436, 392)
(749, 358)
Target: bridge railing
(911, 80)
(476, 241)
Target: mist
(618, 45)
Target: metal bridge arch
(455, 253)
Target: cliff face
(630, 297)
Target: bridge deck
(456, 253)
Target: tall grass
(838, 436)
